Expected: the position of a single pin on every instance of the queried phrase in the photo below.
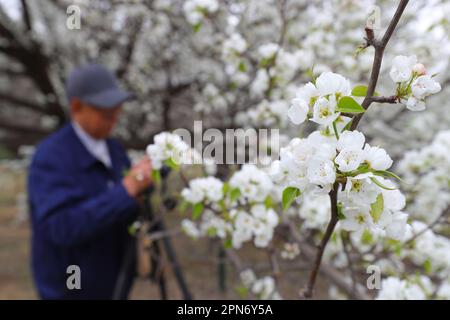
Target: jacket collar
(84, 157)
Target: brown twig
(308, 292)
(376, 66)
(345, 245)
(390, 99)
(329, 272)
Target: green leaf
(183, 206)
(197, 210)
(361, 91)
(133, 228)
(156, 176)
(427, 266)
(196, 28)
(268, 202)
(310, 74)
(336, 134)
(228, 243)
(171, 164)
(340, 214)
(235, 194)
(242, 67)
(387, 174)
(376, 208)
(242, 291)
(334, 237)
(378, 183)
(211, 231)
(225, 188)
(366, 237)
(349, 105)
(289, 195)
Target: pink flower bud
(419, 69)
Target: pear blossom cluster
(239, 226)
(226, 216)
(210, 225)
(258, 224)
(167, 146)
(319, 99)
(196, 10)
(393, 288)
(368, 200)
(413, 82)
(263, 288)
(208, 190)
(254, 184)
(169, 149)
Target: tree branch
(23, 103)
(308, 292)
(390, 99)
(331, 273)
(376, 66)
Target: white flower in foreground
(377, 158)
(357, 218)
(415, 104)
(349, 159)
(321, 171)
(307, 92)
(324, 111)
(333, 83)
(402, 68)
(350, 139)
(423, 86)
(298, 111)
(361, 190)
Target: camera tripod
(128, 264)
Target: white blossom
(402, 68)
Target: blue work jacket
(80, 212)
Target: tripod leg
(170, 253)
(157, 272)
(221, 270)
(120, 289)
(175, 266)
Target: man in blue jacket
(81, 202)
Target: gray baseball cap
(97, 86)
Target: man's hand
(139, 177)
